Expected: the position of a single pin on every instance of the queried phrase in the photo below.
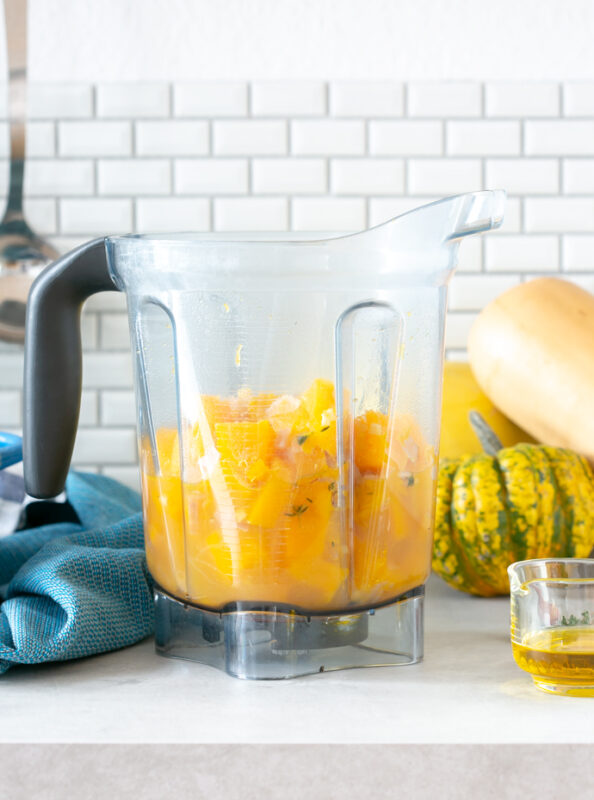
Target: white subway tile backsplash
(10, 408)
(473, 292)
(458, 327)
(172, 138)
(41, 139)
(578, 99)
(444, 176)
(64, 244)
(299, 155)
(366, 99)
(249, 137)
(211, 176)
(328, 214)
(470, 254)
(210, 99)
(522, 253)
(443, 99)
(172, 214)
(115, 333)
(41, 215)
(134, 176)
(512, 217)
(559, 137)
(578, 175)
(11, 369)
(118, 407)
(250, 214)
(578, 253)
(129, 476)
(289, 175)
(125, 100)
(104, 445)
(328, 137)
(523, 175)
(45, 177)
(94, 138)
(483, 137)
(89, 327)
(382, 209)
(88, 415)
(559, 214)
(104, 370)
(522, 99)
(405, 138)
(106, 301)
(96, 216)
(288, 98)
(367, 176)
(59, 101)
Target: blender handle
(53, 363)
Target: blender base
(267, 645)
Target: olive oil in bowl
(560, 659)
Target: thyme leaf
(297, 510)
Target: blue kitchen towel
(75, 590)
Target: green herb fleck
(331, 486)
(411, 480)
(303, 438)
(309, 500)
(585, 618)
(573, 620)
(327, 428)
(297, 510)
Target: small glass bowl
(552, 623)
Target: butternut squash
(532, 353)
(461, 395)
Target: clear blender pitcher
(288, 395)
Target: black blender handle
(53, 364)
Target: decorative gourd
(531, 353)
(462, 394)
(506, 505)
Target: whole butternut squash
(532, 353)
(462, 394)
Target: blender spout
(435, 225)
(478, 212)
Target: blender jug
(288, 395)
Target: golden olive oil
(560, 660)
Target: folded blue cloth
(75, 590)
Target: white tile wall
(439, 99)
(134, 176)
(310, 154)
(211, 176)
(94, 138)
(522, 99)
(250, 137)
(328, 137)
(364, 99)
(172, 138)
(288, 99)
(133, 100)
(289, 175)
(406, 138)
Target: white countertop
(467, 690)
